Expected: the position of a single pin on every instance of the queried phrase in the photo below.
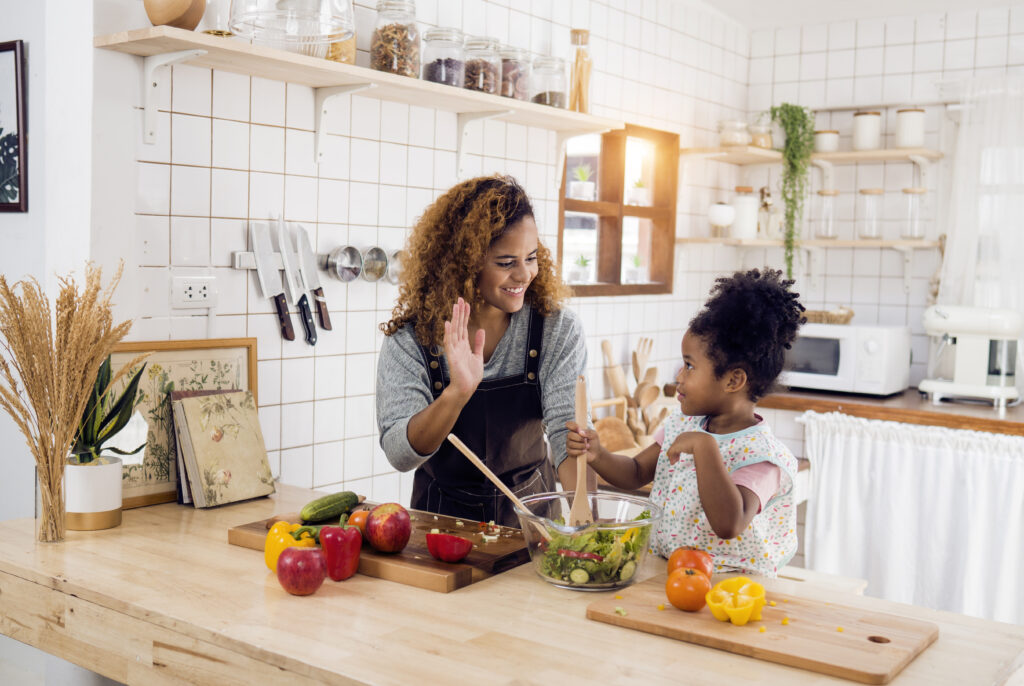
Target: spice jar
(483, 65)
(761, 136)
(744, 224)
(442, 57)
(515, 72)
(547, 82)
(914, 226)
(826, 140)
(867, 130)
(825, 213)
(869, 208)
(733, 133)
(395, 46)
(579, 91)
(910, 128)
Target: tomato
(692, 558)
(358, 518)
(686, 589)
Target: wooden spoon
(651, 375)
(579, 513)
(646, 394)
(471, 456)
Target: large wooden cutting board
(872, 647)
(414, 566)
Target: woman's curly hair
(446, 253)
(748, 323)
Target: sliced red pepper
(448, 548)
(341, 549)
(580, 555)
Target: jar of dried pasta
(515, 72)
(483, 65)
(395, 46)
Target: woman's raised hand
(465, 362)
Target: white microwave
(850, 358)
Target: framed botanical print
(13, 151)
(150, 476)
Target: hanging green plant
(798, 124)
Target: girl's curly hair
(748, 323)
(446, 253)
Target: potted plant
(581, 187)
(636, 273)
(639, 194)
(580, 270)
(92, 479)
(798, 124)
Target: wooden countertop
(164, 598)
(909, 407)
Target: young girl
(724, 481)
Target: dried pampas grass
(48, 372)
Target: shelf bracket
(149, 66)
(814, 265)
(922, 163)
(826, 173)
(324, 95)
(907, 252)
(464, 119)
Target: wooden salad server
(580, 513)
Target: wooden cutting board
(872, 647)
(414, 566)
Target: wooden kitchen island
(164, 599)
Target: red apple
(388, 527)
(448, 548)
(301, 570)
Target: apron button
(433, 364)
(533, 353)
(437, 385)
(531, 376)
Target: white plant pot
(579, 274)
(639, 196)
(92, 494)
(636, 275)
(581, 190)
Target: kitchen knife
(294, 287)
(269, 276)
(310, 273)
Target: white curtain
(928, 515)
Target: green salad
(595, 557)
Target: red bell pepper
(448, 548)
(341, 548)
(579, 555)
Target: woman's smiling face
(510, 266)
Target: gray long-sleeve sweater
(403, 386)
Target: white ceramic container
(92, 494)
(867, 130)
(910, 128)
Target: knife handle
(307, 319)
(283, 317)
(321, 309)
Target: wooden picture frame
(13, 126)
(150, 476)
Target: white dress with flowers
(768, 543)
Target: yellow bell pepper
(280, 537)
(737, 600)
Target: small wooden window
(617, 212)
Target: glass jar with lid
(869, 210)
(825, 213)
(515, 72)
(443, 61)
(483, 65)
(761, 136)
(395, 46)
(548, 82)
(733, 133)
(914, 226)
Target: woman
(478, 346)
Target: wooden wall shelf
(908, 244)
(748, 155)
(735, 154)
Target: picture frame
(150, 476)
(13, 125)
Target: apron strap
(534, 336)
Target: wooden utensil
(616, 378)
(650, 375)
(653, 425)
(633, 422)
(646, 394)
(579, 513)
(471, 456)
(636, 367)
(643, 353)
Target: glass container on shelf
(216, 18)
(869, 210)
(582, 65)
(343, 51)
(913, 227)
(744, 225)
(515, 72)
(769, 217)
(761, 136)
(395, 46)
(733, 133)
(307, 28)
(483, 65)
(825, 213)
(548, 82)
(443, 60)
(867, 130)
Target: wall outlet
(193, 291)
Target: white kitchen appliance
(851, 358)
(983, 342)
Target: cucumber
(579, 576)
(329, 507)
(627, 571)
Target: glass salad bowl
(600, 556)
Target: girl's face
(699, 391)
(510, 266)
